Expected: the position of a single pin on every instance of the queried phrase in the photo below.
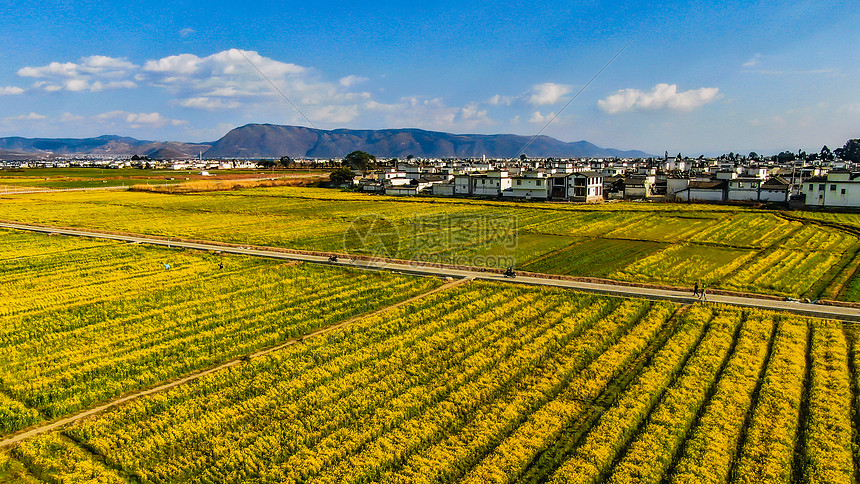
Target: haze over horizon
(706, 78)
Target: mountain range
(17, 147)
(273, 141)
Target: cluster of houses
(819, 184)
(595, 180)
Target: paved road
(822, 311)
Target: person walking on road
(702, 293)
(696, 289)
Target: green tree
(785, 157)
(826, 154)
(285, 161)
(849, 152)
(359, 160)
(267, 163)
(342, 175)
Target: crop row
(768, 452)
(499, 383)
(90, 340)
(335, 408)
(710, 450)
(593, 459)
(706, 244)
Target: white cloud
(544, 94)
(547, 93)
(175, 65)
(539, 118)
(471, 115)
(662, 96)
(351, 80)
(187, 32)
(499, 100)
(103, 64)
(54, 69)
(77, 85)
(10, 91)
(94, 65)
(226, 80)
(233, 76)
(93, 73)
(71, 118)
(102, 86)
(139, 120)
(231, 62)
(754, 61)
(208, 103)
(26, 117)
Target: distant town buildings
(701, 180)
(831, 183)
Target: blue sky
(700, 77)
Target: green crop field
(495, 383)
(59, 178)
(85, 320)
(787, 254)
(475, 382)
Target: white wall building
(490, 184)
(744, 189)
(837, 189)
(586, 186)
(528, 186)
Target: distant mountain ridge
(269, 140)
(274, 141)
(16, 146)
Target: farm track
(41, 429)
(848, 314)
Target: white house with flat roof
(585, 186)
(490, 184)
(528, 186)
(744, 189)
(836, 189)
